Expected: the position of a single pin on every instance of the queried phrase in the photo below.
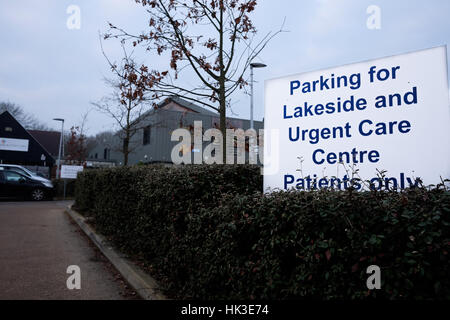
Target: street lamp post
(61, 141)
(253, 65)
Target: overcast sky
(52, 71)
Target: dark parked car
(16, 185)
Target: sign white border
(424, 152)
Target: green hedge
(129, 201)
(209, 233)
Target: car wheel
(37, 195)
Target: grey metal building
(152, 143)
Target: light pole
(253, 65)
(61, 141)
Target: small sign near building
(375, 124)
(70, 172)
(9, 144)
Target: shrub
(210, 233)
(319, 245)
(137, 194)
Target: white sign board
(342, 126)
(70, 172)
(8, 144)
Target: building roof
(187, 105)
(48, 139)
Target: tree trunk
(222, 97)
(126, 143)
(223, 121)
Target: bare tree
(76, 151)
(90, 141)
(218, 60)
(76, 143)
(28, 121)
(106, 138)
(83, 122)
(127, 103)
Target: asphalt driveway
(38, 242)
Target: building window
(146, 136)
(106, 153)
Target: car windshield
(28, 171)
(21, 170)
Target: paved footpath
(38, 241)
